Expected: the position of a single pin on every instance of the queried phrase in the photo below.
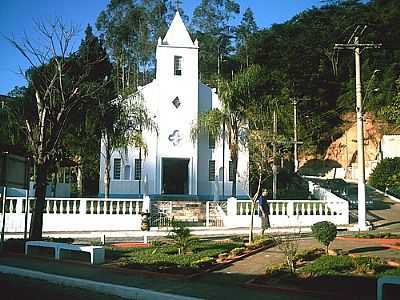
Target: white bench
(97, 253)
(393, 280)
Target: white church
(176, 166)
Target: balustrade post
(207, 213)
(19, 205)
(290, 208)
(146, 204)
(231, 206)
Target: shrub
(182, 237)
(325, 232)
(237, 251)
(223, 256)
(367, 264)
(276, 270)
(386, 174)
(203, 261)
(328, 265)
(382, 235)
(289, 244)
(58, 240)
(310, 254)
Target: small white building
(175, 165)
(390, 146)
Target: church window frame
(211, 141)
(178, 60)
(138, 169)
(211, 170)
(230, 171)
(117, 168)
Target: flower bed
(164, 257)
(317, 273)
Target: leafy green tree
(11, 110)
(211, 24)
(131, 30)
(244, 32)
(82, 140)
(231, 119)
(55, 90)
(124, 120)
(386, 174)
(325, 232)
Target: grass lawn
(344, 274)
(20, 288)
(164, 256)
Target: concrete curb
(101, 287)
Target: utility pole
(357, 47)
(296, 161)
(295, 141)
(274, 166)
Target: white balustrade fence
(288, 213)
(78, 214)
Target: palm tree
(231, 117)
(124, 121)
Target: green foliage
(277, 270)
(309, 254)
(203, 262)
(367, 264)
(237, 251)
(211, 23)
(386, 174)
(236, 95)
(328, 265)
(58, 240)
(181, 236)
(165, 256)
(260, 241)
(318, 75)
(382, 235)
(289, 244)
(325, 232)
(391, 272)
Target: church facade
(175, 165)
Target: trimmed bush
(325, 232)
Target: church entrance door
(175, 176)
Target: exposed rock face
(344, 149)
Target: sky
(17, 17)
